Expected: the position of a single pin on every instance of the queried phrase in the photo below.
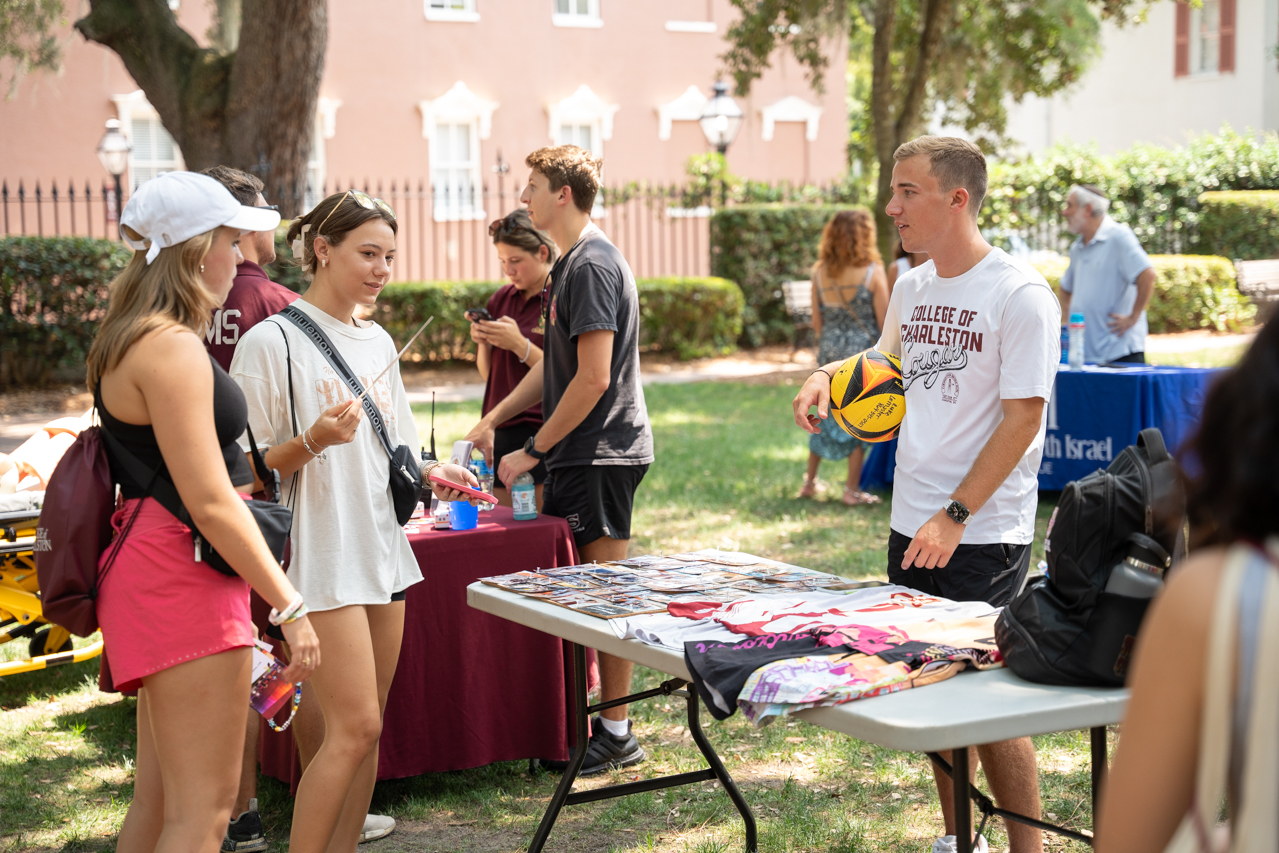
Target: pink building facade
(433, 90)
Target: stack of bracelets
(295, 611)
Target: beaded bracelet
(297, 700)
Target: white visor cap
(176, 206)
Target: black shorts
(989, 573)
(595, 500)
(510, 439)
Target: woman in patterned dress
(850, 296)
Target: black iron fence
(59, 211)
(443, 231)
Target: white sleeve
(1029, 343)
(259, 371)
(890, 338)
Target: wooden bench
(799, 304)
(1259, 281)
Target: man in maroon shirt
(253, 297)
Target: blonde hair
(148, 297)
(848, 240)
(954, 162)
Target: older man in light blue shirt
(1110, 280)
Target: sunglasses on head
(364, 200)
(509, 225)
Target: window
(453, 125)
(581, 135)
(154, 150)
(577, 13)
(584, 119)
(452, 10)
(455, 171)
(790, 108)
(1205, 38)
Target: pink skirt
(158, 607)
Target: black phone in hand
(474, 314)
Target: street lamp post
(720, 122)
(113, 153)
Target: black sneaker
(244, 834)
(606, 751)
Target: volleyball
(866, 396)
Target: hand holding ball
(866, 396)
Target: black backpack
(1065, 629)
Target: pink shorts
(158, 607)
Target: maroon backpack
(73, 531)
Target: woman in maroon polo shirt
(511, 343)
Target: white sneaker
(946, 844)
(377, 826)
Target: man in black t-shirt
(596, 440)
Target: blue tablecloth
(1094, 414)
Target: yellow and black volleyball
(866, 396)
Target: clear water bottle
(524, 497)
(1076, 341)
(484, 474)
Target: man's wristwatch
(533, 451)
(958, 512)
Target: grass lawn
(729, 463)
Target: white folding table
(970, 709)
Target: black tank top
(230, 416)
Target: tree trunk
(253, 108)
(274, 89)
(890, 131)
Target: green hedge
(1243, 224)
(690, 317)
(1191, 292)
(1154, 190)
(759, 246)
(53, 293)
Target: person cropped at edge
(597, 441)
(977, 333)
(1109, 280)
(350, 556)
(903, 262)
(511, 343)
(1231, 504)
(176, 630)
(850, 295)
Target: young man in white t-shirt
(978, 336)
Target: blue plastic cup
(463, 516)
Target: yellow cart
(21, 617)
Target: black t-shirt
(592, 288)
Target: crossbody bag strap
(157, 487)
(316, 335)
(1252, 591)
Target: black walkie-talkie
(429, 455)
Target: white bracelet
(279, 617)
(528, 348)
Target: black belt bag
(273, 519)
(406, 472)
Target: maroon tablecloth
(470, 688)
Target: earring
(324, 262)
(201, 267)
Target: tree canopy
(958, 61)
